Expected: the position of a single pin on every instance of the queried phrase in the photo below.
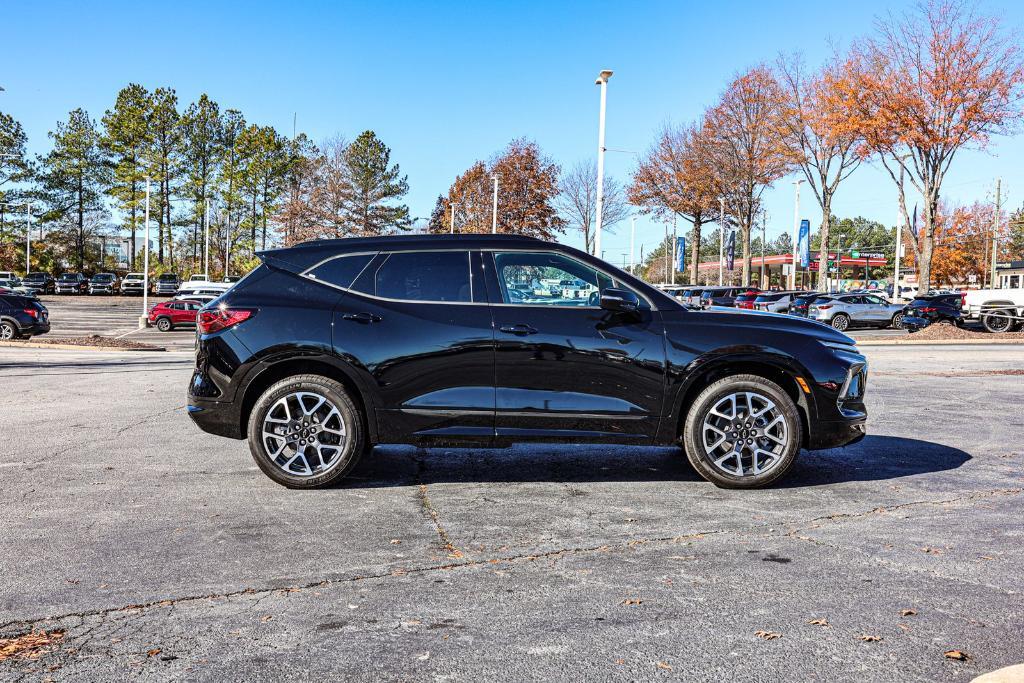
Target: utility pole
(28, 235)
(602, 80)
(227, 245)
(206, 246)
(796, 232)
(144, 318)
(668, 252)
(632, 245)
(453, 218)
(764, 237)
(494, 212)
(721, 240)
(675, 248)
(995, 229)
(896, 293)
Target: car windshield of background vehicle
(549, 279)
(425, 276)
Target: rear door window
(432, 276)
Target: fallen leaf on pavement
(665, 666)
(958, 655)
(818, 622)
(154, 652)
(767, 635)
(632, 601)
(29, 645)
(396, 541)
(870, 639)
(266, 618)
(908, 612)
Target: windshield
(103, 277)
(69, 276)
(36, 276)
(133, 276)
(168, 277)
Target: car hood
(761, 320)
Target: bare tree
(577, 201)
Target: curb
(940, 342)
(70, 347)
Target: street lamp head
(603, 76)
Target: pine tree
(164, 162)
(15, 168)
(375, 183)
(74, 176)
(201, 136)
(126, 140)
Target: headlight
(841, 346)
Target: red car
(167, 315)
(746, 300)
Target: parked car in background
(724, 296)
(201, 298)
(333, 346)
(104, 283)
(231, 279)
(210, 289)
(998, 310)
(938, 308)
(22, 317)
(11, 284)
(38, 283)
(133, 283)
(167, 284)
(775, 302)
(8, 275)
(198, 277)
(71, 283)
(801, 302)
(170, 314)
(691, 296)
(746, 300)
(843, 311)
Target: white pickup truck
(999, 310)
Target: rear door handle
(364, 318)
(520, 330)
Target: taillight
(824, 307)
(32, 312)
(928, 309)
(217, 319)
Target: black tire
(999, 323)
(352, 418)
(8, 330)
(701, 408)
(164, 324)
(840, 321)
(897, 321)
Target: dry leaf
(767, 635)
(818, 622)
(154, 652)
(870, 639)
(266, 618)
(931, 551)
(620, 661)
(396, 541)
(908, 612)
(958, 655)
(665, 666)
(632, 601)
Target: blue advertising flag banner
(804, 244)
(731, 256)
(681, 254)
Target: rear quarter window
(340, 271)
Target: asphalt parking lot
(111, 316)
(163, 553)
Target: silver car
(843, 311)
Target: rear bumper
(215, 417)
(35, 329)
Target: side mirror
(619, 301)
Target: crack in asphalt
(145, 418)
(430, 511)
(136, 609)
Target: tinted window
(539, 278)
(441, 276)
(343, 270)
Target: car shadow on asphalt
(874, 458)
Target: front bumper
(837, 433)
(101, 290)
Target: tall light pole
(764, 238)
(602, 80)
(227, 244)
(494, 210)
(206, 246)
(144, 318)
(721, 241)
(796, 232)
(675, 249)
(896, 293)
(632, 245)
(453, 218)
(995, 230)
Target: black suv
(38, 283)
(723, 296)
(936, 308)
(330, 347)
(72, 283)
(22, 317)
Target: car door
(879, 310)
(419, 324)
(564, 368)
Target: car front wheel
(742, 432)
(305, 432)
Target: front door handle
(520, 330)
(364, 318)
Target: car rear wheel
(897, 321)
(998, 321)
(8, 331)
(841, 322)
(305, 432)
(742, 432)
(164, 325)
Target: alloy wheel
(6, 331)
(897, 321)
(304, 434)
(745, 434)
(840, 322)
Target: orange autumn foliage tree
(677, 176)
(746, 134)
(926, 86)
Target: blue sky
(445, 84)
